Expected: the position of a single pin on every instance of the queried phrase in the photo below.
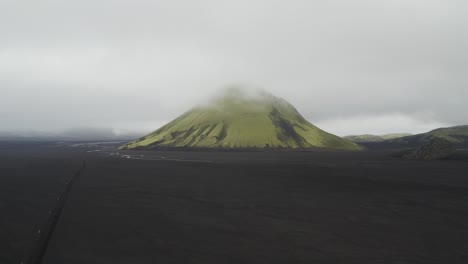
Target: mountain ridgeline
(237, 120)
(457, 135)
(375, 138)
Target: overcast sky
(349, 66)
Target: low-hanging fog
(349, 66)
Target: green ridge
(239, 121)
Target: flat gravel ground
(237, 207)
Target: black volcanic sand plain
(236, 207)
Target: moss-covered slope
(238, 121)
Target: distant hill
(435, 149)
(242, 120)
(457, 135)
(374, 138)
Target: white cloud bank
(382, 124)
(94, 63)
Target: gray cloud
(134, 64)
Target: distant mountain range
(457, 135)
(238, 120)
(76, 134)
(375, 138)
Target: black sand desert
(233, 207)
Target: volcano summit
(242, 120)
